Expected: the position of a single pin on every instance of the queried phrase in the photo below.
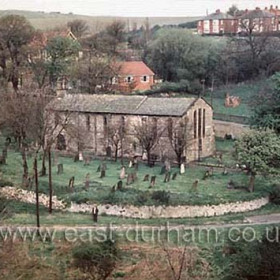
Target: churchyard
(213, 181)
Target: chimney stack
(218, 11)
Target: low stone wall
(235, 129)
(185, 211)
(30, 197)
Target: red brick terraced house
(217, 23)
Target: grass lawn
(178, 192)
(245, 91)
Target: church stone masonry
(93, 113)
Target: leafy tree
(61, 52)
(78, 27)
(259, 151)
(15, 34)
(233, 10)
(177, 54)
(266, 105)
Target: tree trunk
(149, 157)
(50, 181)
(25, 167)
(37, 194)
(44, 169)
(179, 160)
(252, 183)
(116, 154)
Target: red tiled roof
(134, 68)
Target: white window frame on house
(129, 79)
(143, 79)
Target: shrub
(275, 195)
(162, 197)
(96, 259)
(5, 183)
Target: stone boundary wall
(222, 128)
(184, 211)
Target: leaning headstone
(71, 183)
(195, 185)
(167, 177)
(130, 164)
(122, 174)
(153, 181)
(146, 178)
(59, 168)
(120, 185)
(182, 168)
(103, 174)
(174, 176)
(129, 180)
(98, 168)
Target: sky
(133, 8)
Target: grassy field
(176, 192)
(43, 21)
(245, 91)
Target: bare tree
(116, 135)
(78, 27)
(148, 134)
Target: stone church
(92, 117)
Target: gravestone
(144, 156)
(109, 152)
(206, 175)
(182, 168)
(174, 176)
(71, 183)
(59, 168)
(76, 158)
(129, 180)
(113, 189)
(134, 177)
(81, 157)
(195, 185)
(103, 173)
(130, 164)
(122, 174)
(135, 163)
(225, 172)
(5, 153)
(167, 165)
(153, 181)
(167, 177)
(86, 161)
(120, 185)
(230, 185)
(146, 178)
(2, 160)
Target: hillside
(42, 20)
